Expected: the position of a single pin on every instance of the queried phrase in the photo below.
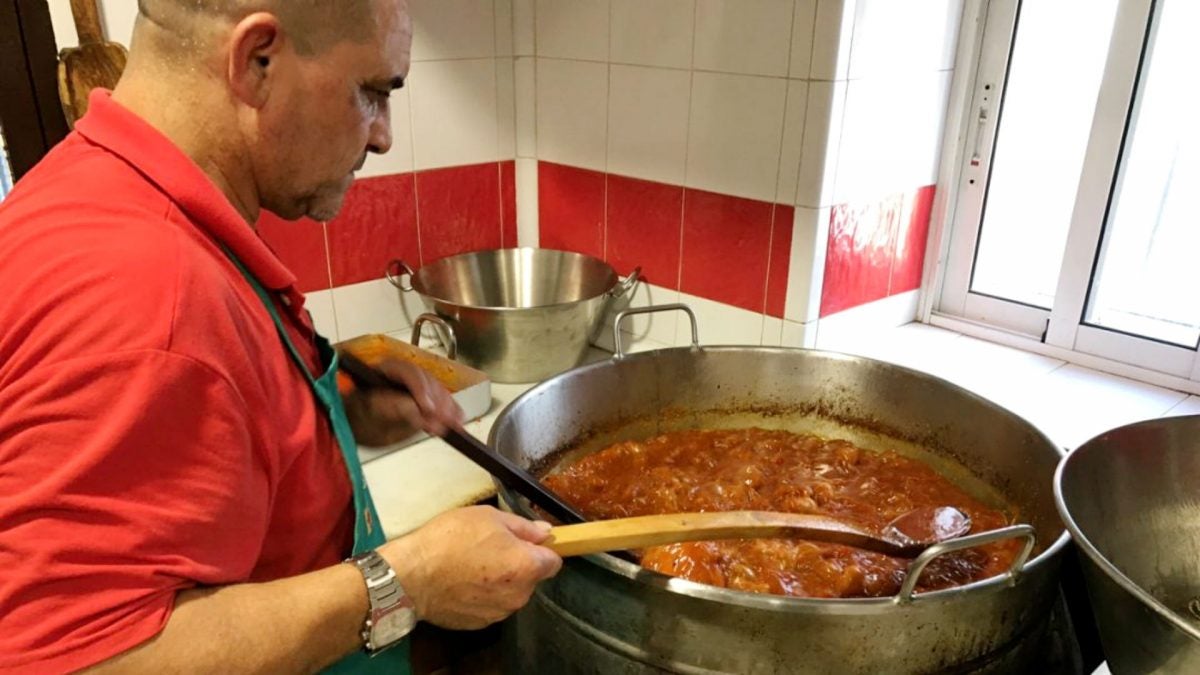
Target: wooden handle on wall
(87, 21)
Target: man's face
(325, 113)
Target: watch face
(392, 626)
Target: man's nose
(380, 139)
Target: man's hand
(382, 417)
(473, 566)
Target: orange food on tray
(759, 469)
(375, 348)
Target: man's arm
(464, 569)
(298, 624)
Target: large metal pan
(605, 615)
(1131, 499)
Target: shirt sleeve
(124, 478)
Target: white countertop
(417, 482)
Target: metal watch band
(384, 593)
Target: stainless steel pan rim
(839, 606)
(397, 269)
(1115, 574)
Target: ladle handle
(508, 473)
(642, 531)
(1025, 532)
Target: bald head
(278, 101)
(312, 25)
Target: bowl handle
(626, 286)
(448, 335)
(396, 271)
(915, 569)
(619, 348)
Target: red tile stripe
(711, 245)
(418, 217)
(876, 249)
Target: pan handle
(396, 271)
(927, 556)
(448, 333)
(626, 286)
(619, 348)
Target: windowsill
(1070, 403)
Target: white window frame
(980, 70)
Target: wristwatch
(392, 614)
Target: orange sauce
(759, 469)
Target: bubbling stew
(770, 470)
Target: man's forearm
(298, 624)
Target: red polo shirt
(154, 434)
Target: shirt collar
(110, 125)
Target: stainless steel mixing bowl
(520, 314)
(1131, 500)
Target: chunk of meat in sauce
(776, 470)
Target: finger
(547, 563)
(532, 531)
(438, 408)
(415, 379)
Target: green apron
(368, 533)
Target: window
(1076, 217)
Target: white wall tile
(400, 158)
(832, 33)
(751, 37)
(506, 123)
(891, 135)
(803, 22)
(504, 27)
(772, 333)
(64, 26)
(799, 335)
(573, 29)
(659, 326)
(806, 268)
(116, 17)
(525, 91)
(793, 141)
(572, 107)
(734, 134)
(852, 326)
(454, 113)
(654, 33)
(373, 306)
(722, 324)
(822, 138)
(320, 305)
(523, 27)
(453, 29)
(526, 174)
(903, 37)
(647, 122)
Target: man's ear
(254, 44)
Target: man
(178, 485)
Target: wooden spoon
(96, 62)
(904, 537)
